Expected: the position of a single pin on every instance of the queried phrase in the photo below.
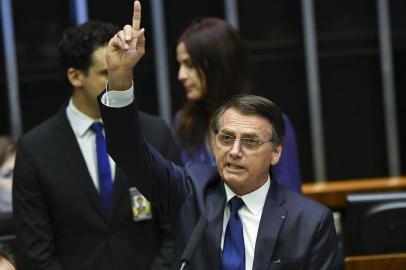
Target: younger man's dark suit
(294, 232)
(61, 222)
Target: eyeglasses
(247, 144)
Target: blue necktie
(233, 249)
(103, 166)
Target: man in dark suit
(63, 221)
(253, 223)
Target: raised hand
(124, 50)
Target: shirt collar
(255, 200)
(79, 121)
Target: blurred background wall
(358, 136)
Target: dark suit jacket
(294, 232)
(60, 220)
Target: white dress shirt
(86, 139)
(250, 214)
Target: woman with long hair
(213, 65)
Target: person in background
(7, 159)
(213, 65)
(73, 206)
(6, 258)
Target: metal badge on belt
(140, 206)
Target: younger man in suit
(73, 206)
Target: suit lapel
(73, 156)
(215, 215)
(120, 185)
(273, 216)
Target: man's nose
(236, 149)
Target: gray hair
(254, 105)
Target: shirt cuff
(118, 99)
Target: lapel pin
(283, 217)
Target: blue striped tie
(233, 250)
(103, 166)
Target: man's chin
(233, 180)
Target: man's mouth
(235, 167)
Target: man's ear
(277, 151)
(75, 77)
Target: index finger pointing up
(137, 16)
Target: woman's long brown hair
(220, 57)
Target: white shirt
(250, 214)
(86, 139)
(118, 99)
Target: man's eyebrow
(243, 135)
(225, 131)
(250, 136)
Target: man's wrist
(120, 81)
